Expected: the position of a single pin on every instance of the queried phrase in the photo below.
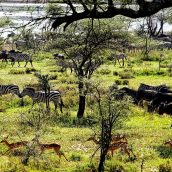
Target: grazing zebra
(6, 89)
(118, 57)
(160, 88)
(63, 63)
(40, 96)
(15, 56)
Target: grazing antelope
(169, 142)
(12, 146)
(53, 146)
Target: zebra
(15, 56)
(160, 88)
(118, 57)
(6, 89)
(63, 63)
(40, 96)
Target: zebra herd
(36, 96)
(15, 56)
(157, 98)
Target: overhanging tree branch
(144, 9)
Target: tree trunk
(81, 109)
(101, 163)
(82, 98)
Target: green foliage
(5, 22)
(30, 70)
(167, 167)
(17, 71)
(104, 71)
(126, 74)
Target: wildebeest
(165, 108)
(4, 56)
(130, 92)
(160, 98)
(160, 88)
(148, 95)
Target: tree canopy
(99, 9)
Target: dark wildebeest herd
(158, 98)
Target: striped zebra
(7, 89)
(160, 88)
(40, 96)
(19, 57)
(118, 57)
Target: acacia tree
(82, 47)
(97, 9)
(111, 114)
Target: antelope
(118, 145)
(53, 146)
(12, 146)
(169, 142)
(118, 138)
(118, 141)
(114, 139)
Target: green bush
(104, 71)
(75, 157)
(125, 82)
(17, 71)
(3, 65)
(30, 70)
(53, 77)
(118, 82)
(115, 73)
(126, 75)
(152, 57)
(165, 167)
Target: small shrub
(125, 82)
(126, 75)
(53, 77)
(165, 167)
(150, 58)
(75, 157)
(104, 71)
(3, 65)
(30, 70)
(115, 73)
(118, 82)
(16, 71)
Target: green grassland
(145, 132)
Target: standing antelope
(118, 141)
(53, 146)
(12, 146)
